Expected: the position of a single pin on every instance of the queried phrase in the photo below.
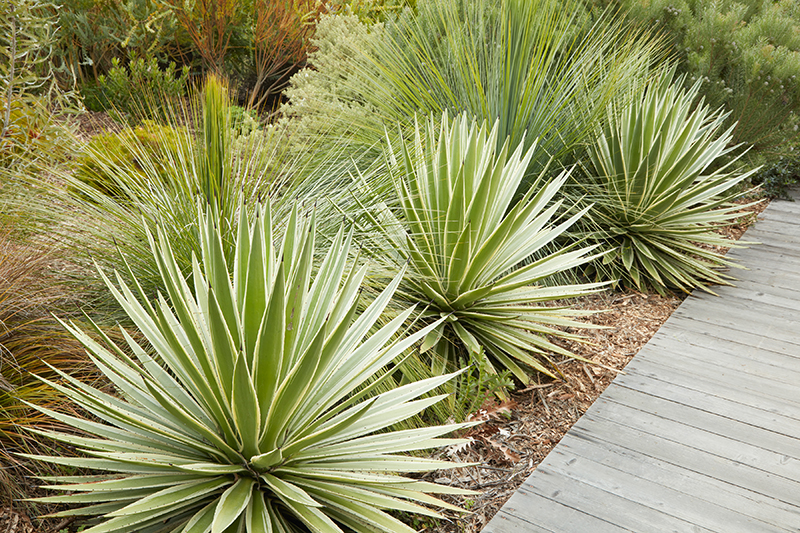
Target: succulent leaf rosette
(246, 409)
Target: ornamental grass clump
(31, 341)
(474, 255)
(659, 191)
(249, 412)
(128, 183)
(537, 67)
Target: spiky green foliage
(535, 66)
(466, 243)
(657, 192)
(246, 417)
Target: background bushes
(747, 54)
(254, 43)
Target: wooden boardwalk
(702, 432)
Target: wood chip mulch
(14, 522)
(92, 123)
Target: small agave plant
(250, 412)
(659, 189)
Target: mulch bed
(92, 123)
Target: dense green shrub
(779, 172)
(252, 418)
(746, 52)
(94, 32)
(254, 43)
(32, 108)
(141, 89)
(143, 152)
(323, 100)
(658, 190)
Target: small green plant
(657, 193)
(775, 177)
(468, 246)
(244, 121)
(142, 89)
(466, 393)
(247, 415)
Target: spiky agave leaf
(245, 420)
(659, 191)
(466, 240)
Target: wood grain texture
(702, 432)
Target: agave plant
(659, 190)
(250, 415)
(469, 246)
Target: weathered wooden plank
(772, 282)
(688, 454)
(741, 321)
(767, 263)
(504, 522)
(706, 306)
(740, 295)
(527, 512)
(776, 215)
(775, 234)
(602, 503)
(766, 461)
(713, 414)
(781, 255)
(782, 228)
(738, 357)
(669, 499)
(713, 377)
(781, 206)
(694, 484)
(684, 329)
(771, 248)
(751, 288)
